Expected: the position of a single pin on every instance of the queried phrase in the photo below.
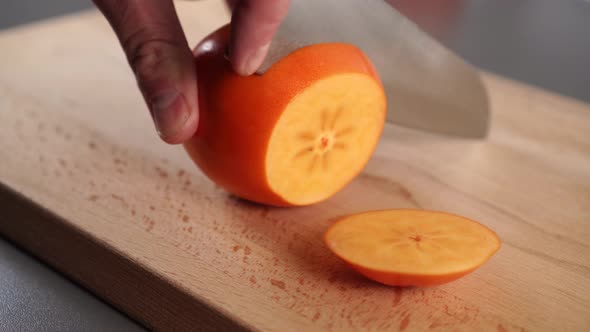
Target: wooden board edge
(105, 273)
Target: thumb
(155, 46)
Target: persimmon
(296, 134)
(406, 247)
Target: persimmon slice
(324, 137)
(405, 247)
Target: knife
(427, 86)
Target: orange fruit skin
(391, 278)
(407, 280)
(237, 113)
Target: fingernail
(254, 60)
(169, 111)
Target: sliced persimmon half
(407, 247)
(293, 136)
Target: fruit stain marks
(314, 298)
(358, 302)
(501, 328)
(96, 164)
(403, 324)
(278, 283)
(113, 188)
(306, 281)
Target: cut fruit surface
(293, 136)
(411, 247)
(324, 137)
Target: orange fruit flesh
(324, 137)
(411, 247)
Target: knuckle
(149, 55)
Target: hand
(157, 51)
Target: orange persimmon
(294, 135)
(406, 247)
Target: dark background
(540, 42)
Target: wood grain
(88, 187)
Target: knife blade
(428, 87)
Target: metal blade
(427, 86)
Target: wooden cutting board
(89, 188)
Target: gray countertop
(540, 42)
(36, 298)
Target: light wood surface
(89, 188)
